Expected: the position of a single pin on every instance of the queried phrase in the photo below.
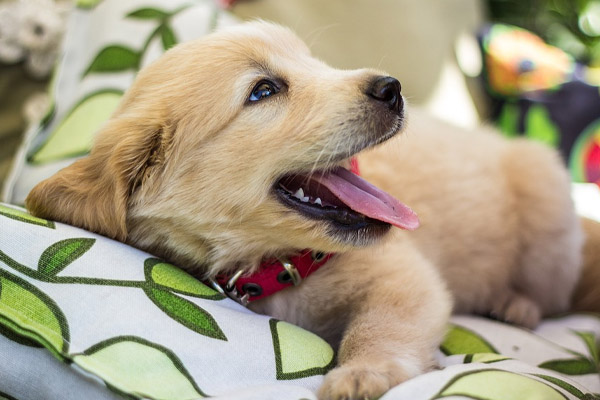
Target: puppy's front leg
(385, 309)
(394, 328)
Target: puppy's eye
(262, 90)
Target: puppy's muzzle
(386, 89)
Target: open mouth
(345, 200)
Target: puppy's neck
(201, 255)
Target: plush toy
(31, 30)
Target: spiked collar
(272, 276)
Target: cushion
(141, 326)
(83, 316)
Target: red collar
(274, 274)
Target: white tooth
(299, 194)
(305, 199)
(318, 201)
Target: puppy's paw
(518, 310)
(364, 381)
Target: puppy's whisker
(381, 60)
(317, 32)
(323, 149)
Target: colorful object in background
(518, 61)
(585, 157)
(539, 92)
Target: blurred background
(572, 25)
(451, 57)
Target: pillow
(83, 316)
(106, 43)
(139, 325)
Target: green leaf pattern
(31, 313)
(145, 368)
(499, 385)
(592, 343)
(62, 253)
(22, 215)
(187, 313)
(148, 13)
(74, 135)
(299, 353)
(15, 337)
(167, 37)
(114, 58)
(87, 3)
(118, 58)
(177, 280)
(577, 366)
(460, 340)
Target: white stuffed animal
(32, 30)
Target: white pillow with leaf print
(144, 327)
(106, 43)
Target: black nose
(386, 89)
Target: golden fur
(587, 292)
(184, 169)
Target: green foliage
(571, 25)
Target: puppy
(202, 162)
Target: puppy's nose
(386, 89)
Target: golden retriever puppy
(203, 162)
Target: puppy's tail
(587, 293)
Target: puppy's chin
(335, 229)
(332, 237)
(366, 235)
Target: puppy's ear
(93, 192)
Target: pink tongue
(364, 198)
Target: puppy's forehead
(261, 39)
(262, 47)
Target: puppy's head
(233, 147)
